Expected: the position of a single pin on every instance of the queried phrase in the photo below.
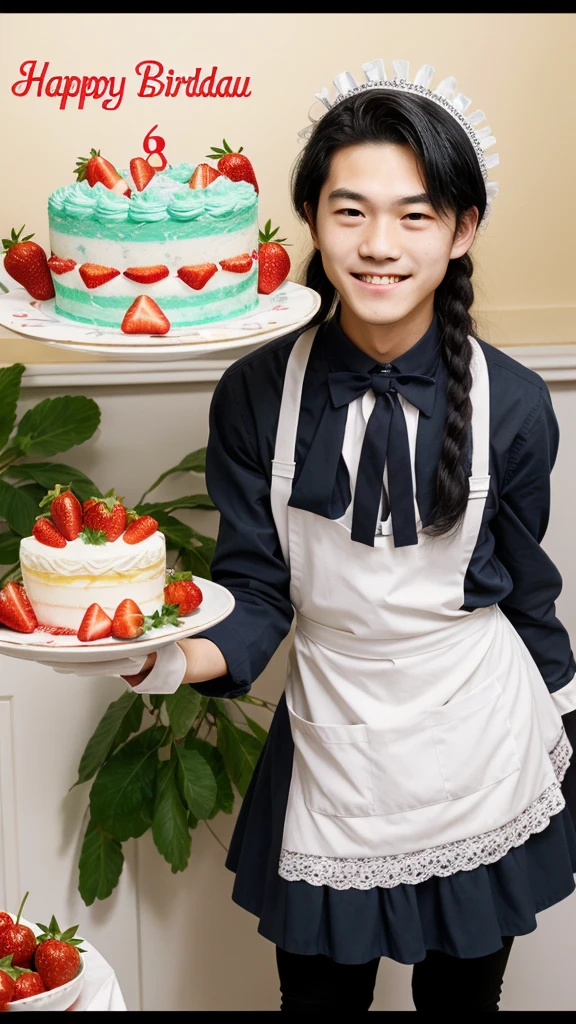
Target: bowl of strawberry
(41, 967)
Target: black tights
(440, 982)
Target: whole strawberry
(65, 511)
(29, 984)
(26, 262)
(273, 260)
(181, 591)
(233, 165)
(107, 514)
(5, 918)
(57, 957)
(19, 940)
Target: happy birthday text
(109, 90)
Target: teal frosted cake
(190, 249)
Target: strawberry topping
(141, 173)
(238, 264)
(95, 275)
(46, 533)
(203, 176)
(139, 529)
(147, 275)
(128, 621)
(197, 276)
(16, 610)
(144, 316)
(95, 625)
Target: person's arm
(518, 528)
(225, 660)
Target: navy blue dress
(466, 913)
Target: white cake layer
(172, 253)
(62, 583)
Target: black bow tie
(386, 437)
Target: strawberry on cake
(98, 554)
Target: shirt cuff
(167, 673)
(565, 698)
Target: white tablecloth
(101, 990)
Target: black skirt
(464, 914)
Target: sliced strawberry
(16, 610)
(128, 621)
(147, 275)
(203, 176)
(238, 264)
(46, 533)
(60, 266)
(96, 168)
(139, 529)
(95, 625)
(95, 275)
(141, 172)
(197, 276)
(144, 316)
(232, 164)
(106, 514)
(186, 594)
(65, 511)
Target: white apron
(425, 739)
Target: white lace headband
(446, 95)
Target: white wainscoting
(177, 942)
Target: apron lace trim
(412, 868)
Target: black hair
(453, 179)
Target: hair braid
(453, 300)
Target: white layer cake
(170, 225)
(62, 583)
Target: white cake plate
(289, 307)
(217, 603)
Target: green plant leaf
(225, 794)
(195, 779)
(10, 381)
(177, 534)
(240, 751)
(259, 732)
(34, 492)
(100, 865)
(193, 561)
(9, 548)
(121, 718)
(122, 794)
(57, 424)
(183, 707)
(200, 501)
(48, 474)
(194, 462)
(156, 699)
(17, 509)
(170, 822)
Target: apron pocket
(474, 741)
(334, 767)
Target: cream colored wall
(516, 67)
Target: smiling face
(384, 247)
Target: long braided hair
(454, 183)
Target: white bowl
(60, 998)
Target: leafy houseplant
(180, 769)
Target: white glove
(165, 676)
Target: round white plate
(217, 603)
(288, 308)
